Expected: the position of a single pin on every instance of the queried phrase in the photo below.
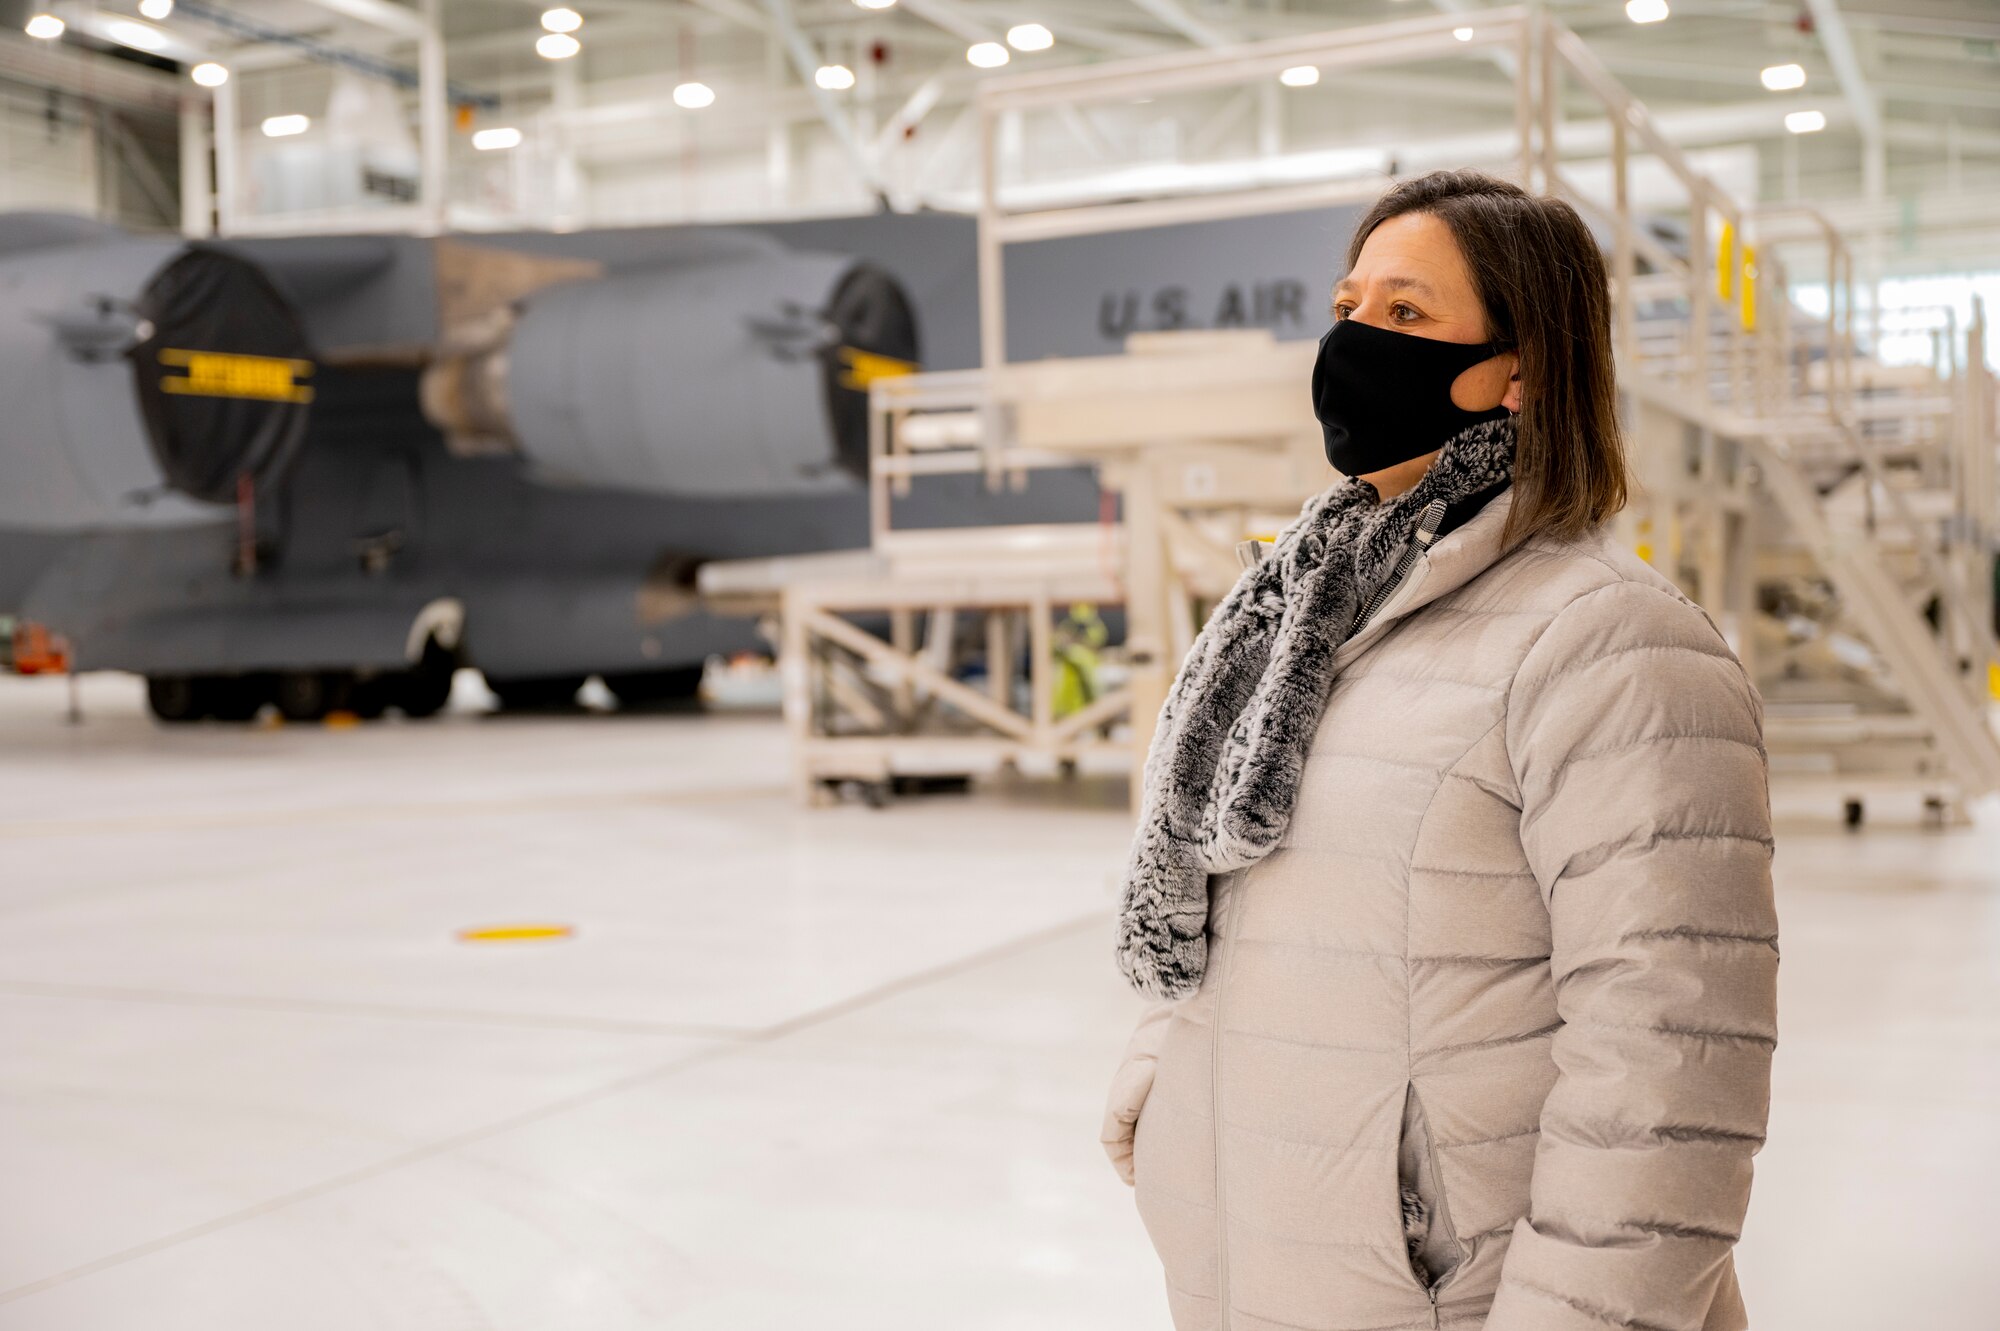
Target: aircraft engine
(738, 373)
(144, 379)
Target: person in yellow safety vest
(1078, 637)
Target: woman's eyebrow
(1394, 282)
(1416, 284)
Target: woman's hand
(1132, 1084)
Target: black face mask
(1384, 397)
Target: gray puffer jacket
(1486, 1041)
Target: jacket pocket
(1434, 1249)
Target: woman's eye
(1402, 313)
(1342, 311)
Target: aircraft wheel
(370, 697)
(177, 698)
(237, 697)
(652, 688)
(308, 695)
(541, 693)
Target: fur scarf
(1227, 753)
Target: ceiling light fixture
(138, 36)
(1805, 122)
(561, 20)
(496, 139)
(284, 127)
(47, 27)
(1030, 37)
(1300, 76)
(1783, 78)
(987, 55)
(1463, 34)
(875, 4)
(694, 96)
(834, 78)
(209, 74)
(156, 9)
(557, 46)
(1646, 11)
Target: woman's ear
(1512, 400)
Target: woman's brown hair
(1541, 277)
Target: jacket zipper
(1437, 1285)
(1215, 1107)
(1433, 1288)
(1440, 1214)
(1427, 530)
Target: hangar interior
(584, 594)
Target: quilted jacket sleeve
(1637, 741)
(1132, 1083)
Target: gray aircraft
(324, 472)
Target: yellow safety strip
(861, 368)
(1749, 288)
(233, 374)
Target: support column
(1146, 633)
(433, 118)
(564, 98)
(197, 188)
(228, 153)
(1270, 119)
(778, 138)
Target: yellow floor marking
(514, 933)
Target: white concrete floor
(837, 1068)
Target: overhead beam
(1985, 96)
(600, 32)
(161, 196)
(1223, 123)
(1099, 29)
(92, 76)
(805, 63)
(953, 18)
(1840, 53)
(384, 14)
(737, 11)
(109, 27)
(1085, 132)
(1504, 61)
(1867, 110)
(1111, 41)
(910, 114)
(1972, 30)
(1176, 16)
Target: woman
(1453, 863)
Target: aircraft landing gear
(181, 698)
(237, 697)
(306, 695)
(639, 689)
(424, 689)
(176, 698)
(540, 693)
